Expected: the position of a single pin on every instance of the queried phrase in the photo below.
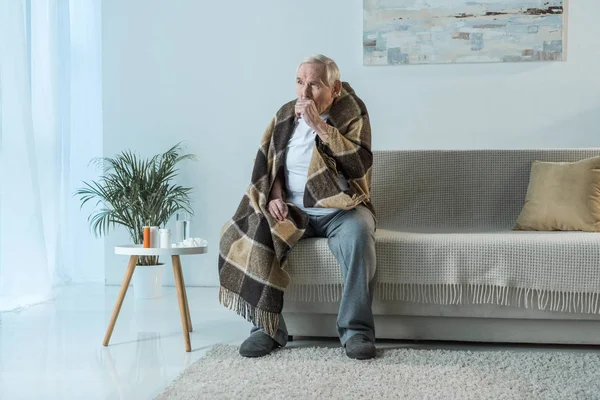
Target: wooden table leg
(181, 300)
(187, 306)
(120, 298)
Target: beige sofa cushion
(562, 196)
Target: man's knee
(358, 229)
(358, 234)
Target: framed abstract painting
(404, 32)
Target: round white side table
(135, 251)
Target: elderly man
(311, 178)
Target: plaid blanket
(254, 245)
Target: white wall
(212, 74)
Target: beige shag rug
(326, 373)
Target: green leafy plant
(134, 193)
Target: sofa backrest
(456, 190)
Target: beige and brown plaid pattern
(254, 246)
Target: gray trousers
(351, 238)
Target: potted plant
(134, 193)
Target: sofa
(449, 264)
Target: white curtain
(50, 128)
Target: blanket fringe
(320, 293)
(267, 320)
(541, 299)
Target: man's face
(311, 84)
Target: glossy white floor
(54, 350)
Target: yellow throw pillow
(562, 196)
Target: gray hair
(332, 72)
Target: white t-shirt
(299, 153)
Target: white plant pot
(148, 281)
